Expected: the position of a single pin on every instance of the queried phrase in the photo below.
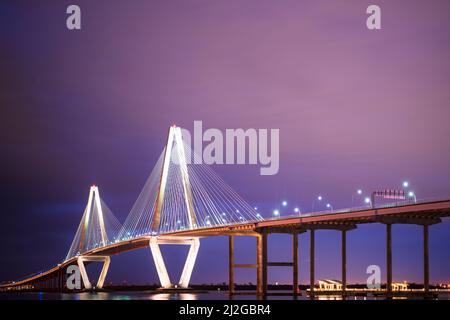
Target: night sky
(355, 108)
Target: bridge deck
(417, 213)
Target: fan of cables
(98, 227)
(193, 196)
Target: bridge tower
(174, 137)
(92, 234)
(93, 201)
(174, 144)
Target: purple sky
(355, 108)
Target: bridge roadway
(424, 214)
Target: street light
(411, 194)
(296, 210)
(319, 198)
(358, 192)
(329, 206)
(367, 200)
(405, 184)
(284, 203)
(276, 213)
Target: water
(151, 295)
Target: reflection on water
(151, 295)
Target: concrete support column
(311, 262)
(295, 290)
(61, 280)
(344, 260)
(426, 261)
(231, 264)
(264, 262)
(259, 265)
(389, 257)
(84, 276)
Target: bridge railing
(361, 208)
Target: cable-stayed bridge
(184, 200)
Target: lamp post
(411, 194)
(358, 193)
(319, 198)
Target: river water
(151, 295)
